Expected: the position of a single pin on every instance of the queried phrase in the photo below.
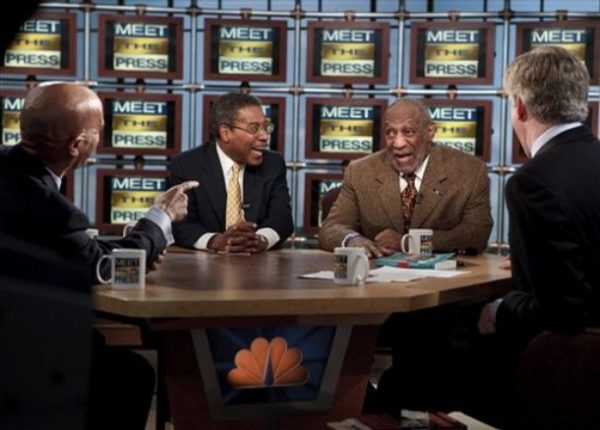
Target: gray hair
(225, 110)
(425, 115)
(552, 82)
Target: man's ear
(521, 110)
(74, 146)
(431, 130)
(224, 133)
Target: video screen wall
(324, 81)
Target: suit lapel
(433, 188)
(389, 192)
(212, 174)
(48, 180)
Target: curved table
(197, 300)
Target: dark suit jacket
(554, 208)
(33, 210)
(455, 201)
(266, 195)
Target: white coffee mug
(351, 265)
(418, 241)
(127, 268)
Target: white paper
(323, 274)
(391, 274)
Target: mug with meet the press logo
(127, 268)
(350, 266)
(418, 241)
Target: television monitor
(11, 103)
(462, 124)
(44, 45)
(316, 185)
(245, 50)
(141, 124)
(343, 128)
(452, 53)
(581, 37)
(125, 195)
(348, 52)
(140, 47)
(519, 156)
(274, 111)
(297, 372)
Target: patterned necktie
(233, 212)
(409, 195)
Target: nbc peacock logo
(268, 364)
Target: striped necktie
(409, 195)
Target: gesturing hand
(174, 201)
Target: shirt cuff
(202, 243)
(162, 220)
(271, 235)
(349, 237)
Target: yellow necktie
(233, 212)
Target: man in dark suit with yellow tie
(243, 202)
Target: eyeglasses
(255, 128)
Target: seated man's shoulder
(457, 156)
(272, 157)
(190, 153)
(368, 161)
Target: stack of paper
(390, 274)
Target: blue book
(399, 259)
